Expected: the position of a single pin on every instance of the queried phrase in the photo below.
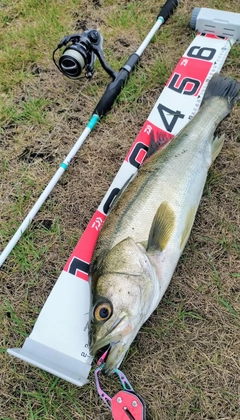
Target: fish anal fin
(217, 145)
(188, 226)
(144, 244)
(162, 227)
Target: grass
(184, 361)
(31, 110)
(229, 307)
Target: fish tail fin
(224, 87)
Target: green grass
(31, 110)
(25, 44)
(29, 252)
(229, 307)
(129, 16)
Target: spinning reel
(81, 54)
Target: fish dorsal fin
(156, 143)
(162, 227)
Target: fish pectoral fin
(188, 226)
(217, 145)
(162, 227)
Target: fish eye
(103, 311)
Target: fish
(148, 226)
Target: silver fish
(147, 229)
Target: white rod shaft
(149, 36)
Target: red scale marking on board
(212, 36)
(84, 249)
(141, 156)
(142, 137)
(188, 68)
(149, 131)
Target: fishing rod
(80, 53)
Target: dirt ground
(185, 360)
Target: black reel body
(81, 54)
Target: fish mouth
(114, 357)
(113, 346)
(111, 357)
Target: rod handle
(111, 93)
(114, 88)
(168, 9)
